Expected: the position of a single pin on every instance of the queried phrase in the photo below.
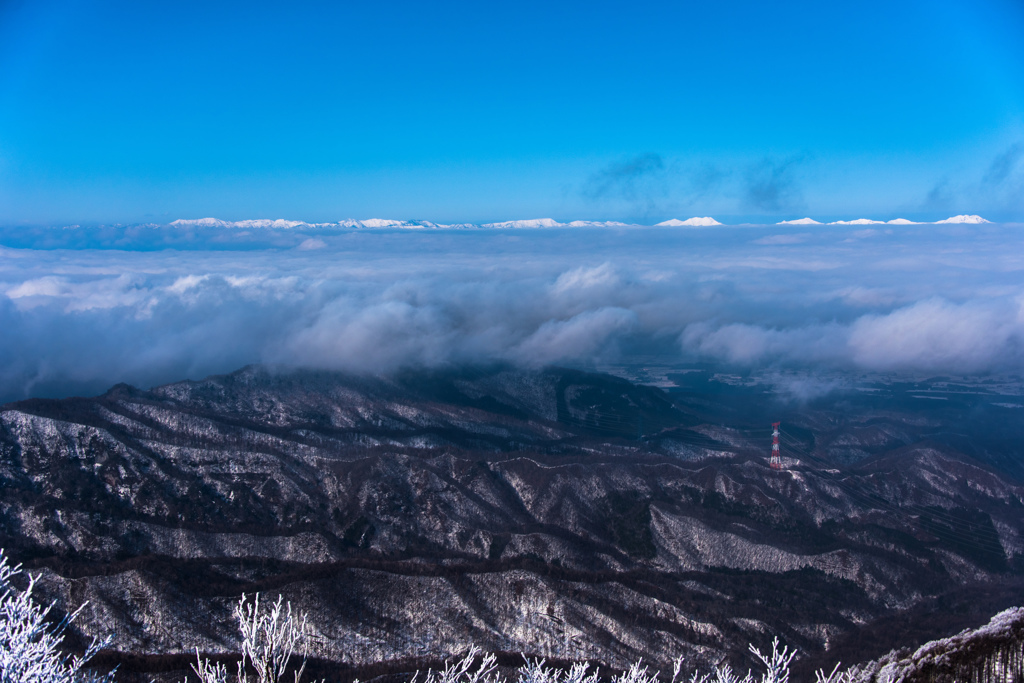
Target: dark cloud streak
(1003, 165)
(771, 185)
(939, 197)
(641, 182)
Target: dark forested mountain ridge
(557, 513)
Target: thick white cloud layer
(125, 307)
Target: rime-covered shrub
(464, 671)
(468, 670)
(270, 638)
(836, 676)
(30, 646)
(534, 671)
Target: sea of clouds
(82, 309)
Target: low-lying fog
(82, 309)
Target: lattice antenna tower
(776, 460)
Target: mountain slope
(557, 513)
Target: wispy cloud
(1004, 165)
(934, 335)
(706, 179)
(640, 181)
(771, 185)
(940, 196)
(789, 238)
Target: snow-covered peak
(901, 221)
(391, 224)
(965, 219)
(277, 224)
(800, 221)
(531, 223)
(382, 223)
(252, 223)
(200, 223)
(282, 224)
(695, 221)
(858, 221)
(597, 224)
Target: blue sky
(127, 112)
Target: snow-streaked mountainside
(532, 223)
(695, 221)
(555, 513)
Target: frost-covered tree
(30, 646)
(270, 638)
(469, 670)
(464, 671)
(836, 676)
(776, 664)
(534, 671)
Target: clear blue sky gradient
(129, 111)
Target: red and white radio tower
(775, 462)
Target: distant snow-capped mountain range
(533, 223)
(282, 224)
(896, 221)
